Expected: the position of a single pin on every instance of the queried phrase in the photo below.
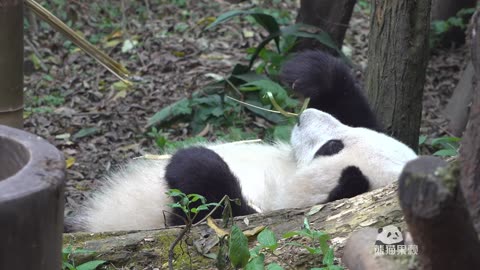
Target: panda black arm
(331, 87)
(352, 182)
(198, 170)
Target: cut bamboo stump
(32, 174)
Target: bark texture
(437, 216)
(149, 249)
(397, 60)
(331, 16)
(11, 63)
(470, 150)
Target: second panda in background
(335, 152)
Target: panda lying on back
(335, 152)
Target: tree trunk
(11, 63)
(331, 16)
(470, 150)
(150, 248)
(397, 60)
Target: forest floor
(99, 124)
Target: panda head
(326, 150)
(389, 235)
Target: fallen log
(149, 249)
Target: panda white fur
(335, 152)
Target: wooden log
(436, 215)
(31, 201)
(139, 250)
(470, 147)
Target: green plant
(443, 146)
(43, 104)
(364, 5)
(69, 264)
(185, 201)
(440, 27)
(249, 83)
(191, 205)
(267, 242)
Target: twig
(177, 240)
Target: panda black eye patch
(330, 148)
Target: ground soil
(171, 59)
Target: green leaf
(174, 205)
(328, 257)
(279, 93)
(196, 197)
(255, 251)
(282, 133)
(67, 265)
(179, 108)
(446, 153)
(175, 193)
(422, 139)
(334, 267)
(274, 266)
(446, 139)
(304, 233)
(306, 224)
(268, 22)
(257, 263)
(250, 77)
(91, 265)
(121, 85)
(225, 17)
(267, 239)
(238, 248)
(84, 132)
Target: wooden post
(11, 63)
(397, 61)
(436, 215)
(32, 174)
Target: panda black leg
(331, 87)
(352, 182)
(198, 170)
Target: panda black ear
(400, 229)
(380, 230)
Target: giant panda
(336, 151)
